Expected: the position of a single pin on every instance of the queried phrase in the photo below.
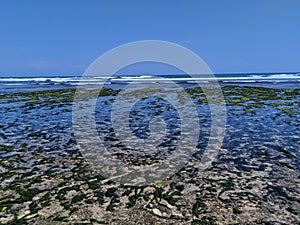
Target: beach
(255, 179)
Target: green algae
(198, 207)
(6, 147)
(276, 104)
(238, 100)
(113, 203)
(287, 110)
(250, 97)
(236, 210)
(56, 96)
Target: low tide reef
(44, 179)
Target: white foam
(40, 79)
(149, 78)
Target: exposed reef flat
(44, 179)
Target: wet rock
(157, 212)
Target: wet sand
(44, 179)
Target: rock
(177, 214)
(2, 169)
(157, 212)
(23, 214)
(164, 214)
(30, 216)
(6, 218)
(165, 203)
(149, 190)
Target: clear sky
(62, 37)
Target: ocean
(30, 83)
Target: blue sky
(57, 37)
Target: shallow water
(255, 179)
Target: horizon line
(146, 74)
